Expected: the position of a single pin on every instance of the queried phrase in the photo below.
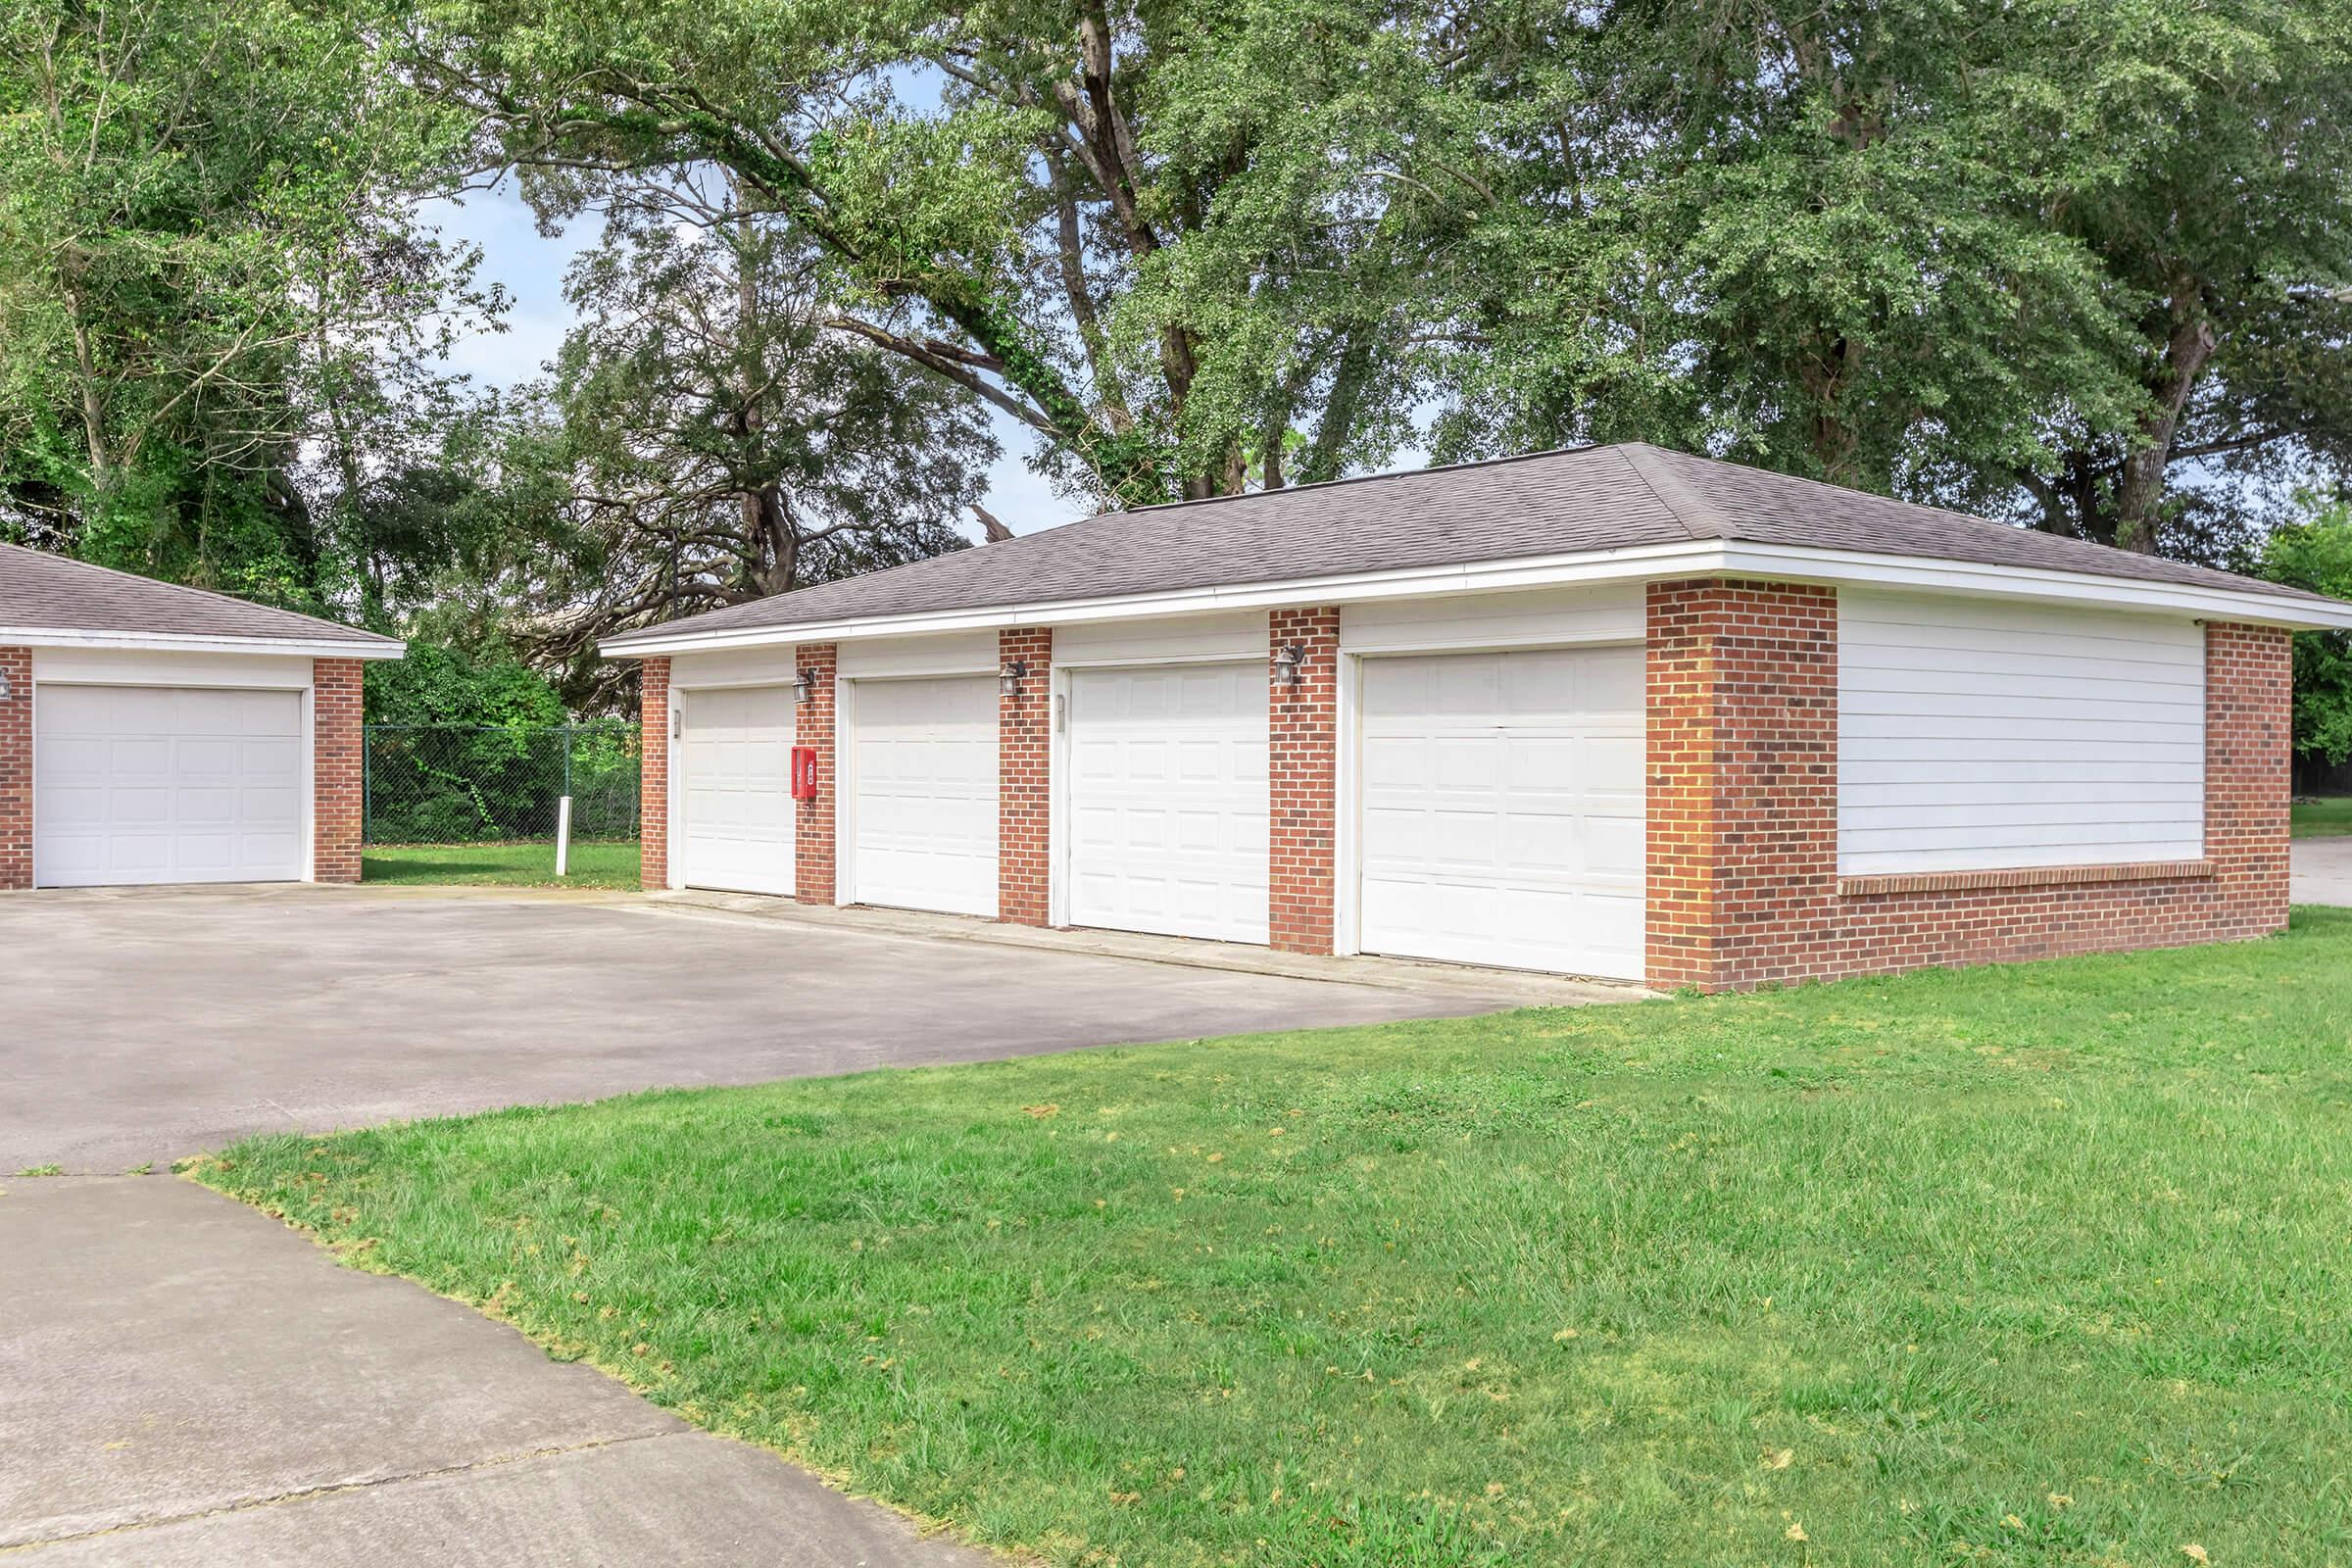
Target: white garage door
(165, 784)
(923, 772)
(1167, 800)
(1504, 810)
(735, 753)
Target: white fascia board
(1703, 557)
(1930, 574)
(1483, 577)
(163, 642)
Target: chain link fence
(463, 784)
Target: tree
(714, 439)
(207, 261)
(2042, 259)
(1163, 237)
(2226, 226)
(2316, 554)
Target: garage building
(1616, 712)
(151, 733)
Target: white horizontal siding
(959, 653)
(1976, 735)
(1172, 639)
(1556, 616)
(746, 667)
(122, 666)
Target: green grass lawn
(2038, 1266)
(2321, 819)
(522, 865)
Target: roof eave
(1938, 574)
(1698, 557)
(1478, 576)
(161, 642)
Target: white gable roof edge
(1711, 558)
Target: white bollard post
(563, 834)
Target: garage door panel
(128, 759)
(214, 808)
(1167, 800)
(1502, 808)
(213, 852)
(734, 750)
(1467, 686)
(1467, 762)
(924, 774)
(159, 784)
(140, 857)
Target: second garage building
(1616, 712)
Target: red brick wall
(1302, 782)
(1024, 761)
(15, 769)
(1742, 757)
(812, 874)
(336, 737)
(2249, 747)
(1744, 815)
(653, 776)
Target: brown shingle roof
(42, 592)
(1548, 503)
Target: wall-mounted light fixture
(1009, 678)
(1289, 663)
(804, 687)
(3, 685)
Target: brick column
(1024, 761)
(1742, 782)
(812, 872)
(336, 739)
(1302, 782)
(2249, 725)
(15, 769)
(653, 774)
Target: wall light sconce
(1009, 678)
(1289, 663)
(3, 685)
(804, 687)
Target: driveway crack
(333, 1489)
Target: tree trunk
(1829, 432)
(2139, 489)
(775, 564)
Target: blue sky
(532, 266)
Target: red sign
(804, 773)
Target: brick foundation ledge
(2024, 876)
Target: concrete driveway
(187, 1382)
(2321, 871)
(149, 1025)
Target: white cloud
(529, 263)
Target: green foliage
(440, 684)
(2070, 262)
(2036, 1266)
(469, 744)
(2316, 553)
(461, 784)
(1152, 234)
(2087, 265)
(718, 438)
(217, 309)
